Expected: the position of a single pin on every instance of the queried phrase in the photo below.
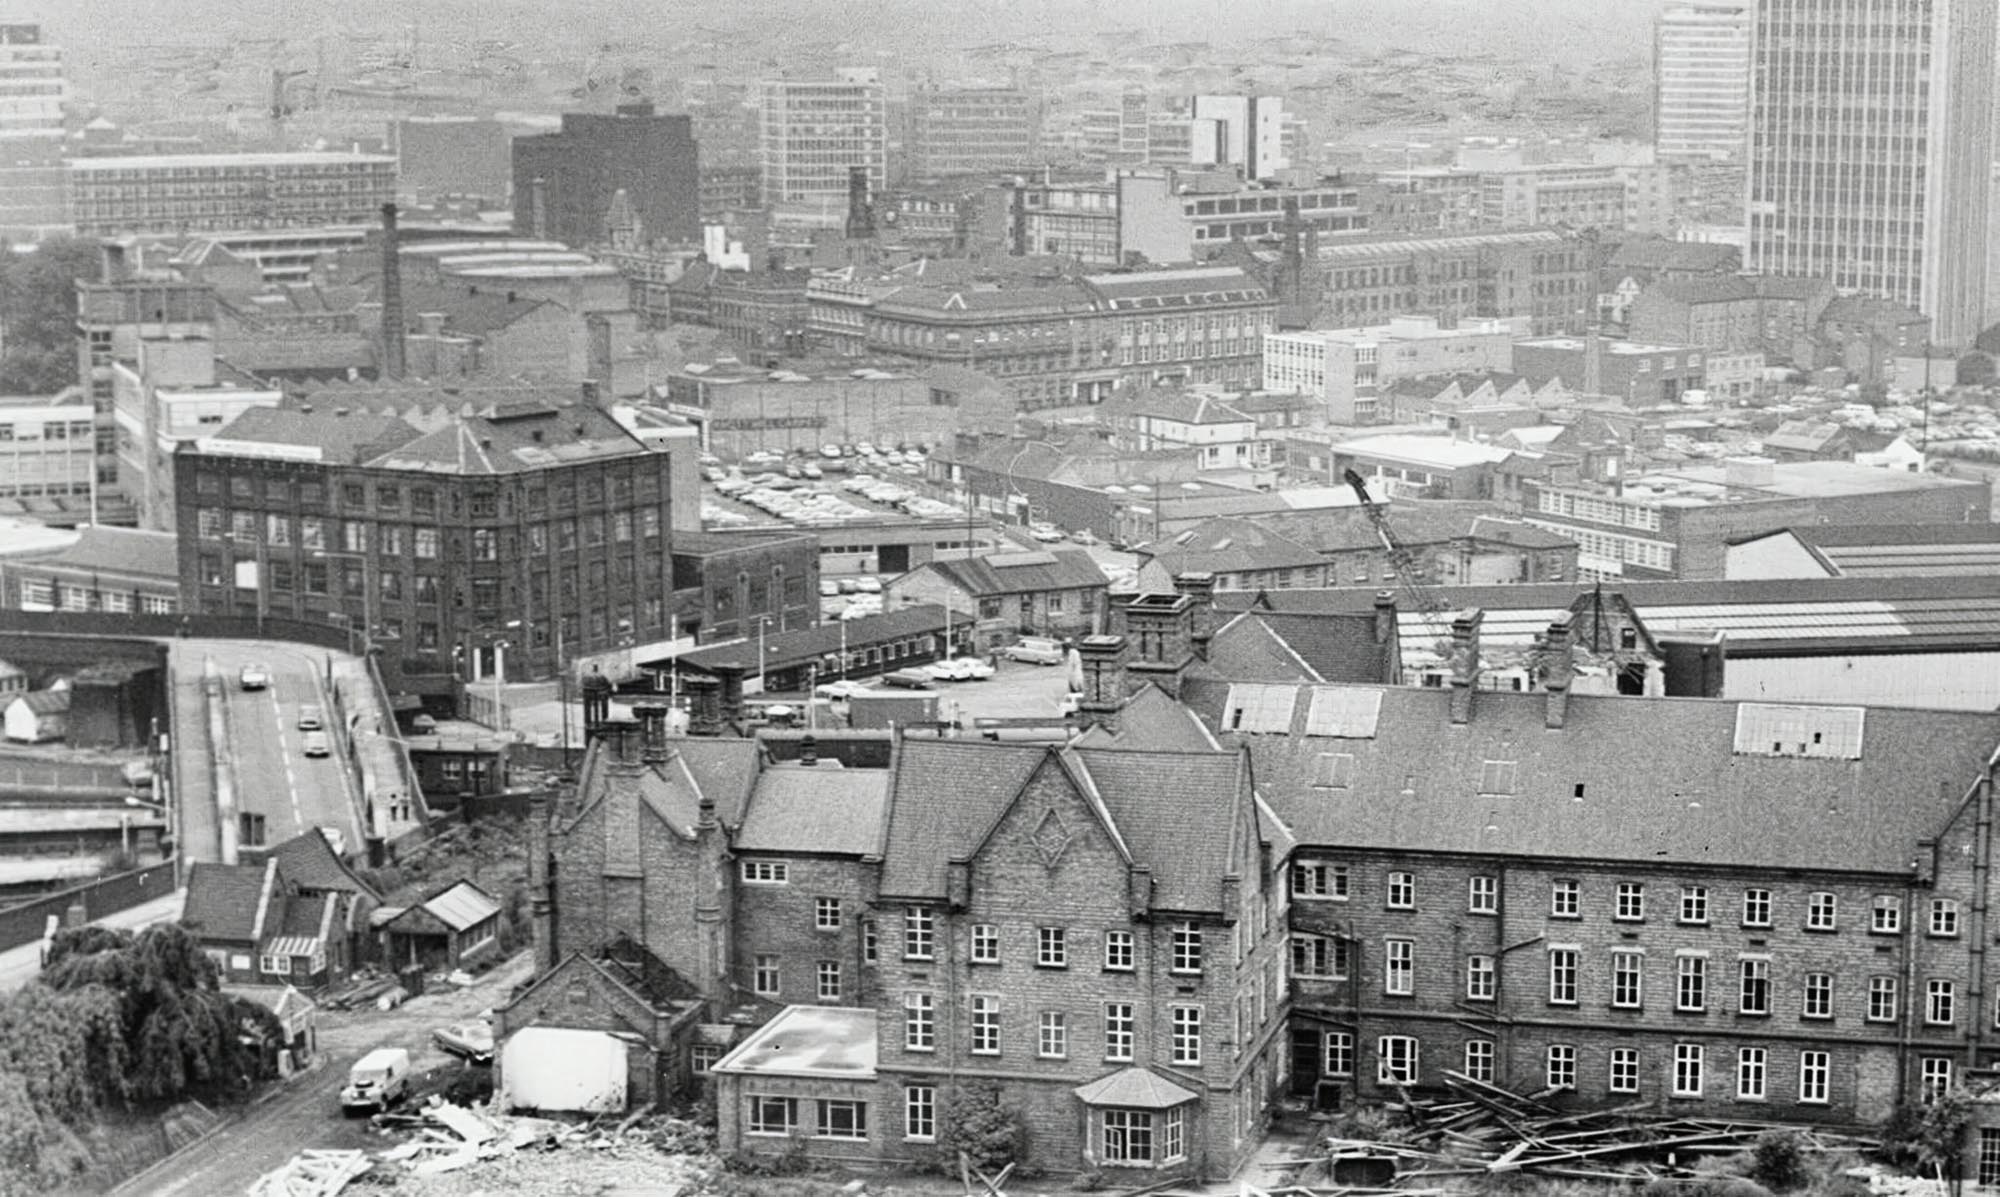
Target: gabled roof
(1180, 405)
(1247, 649)
(815, 809)
(309, 862)
(1626, 779)
(343, 439)
(460, 905)
(1332, 650)
(944, 797)
(1804, 436)
(1029, 572)
(1231, 545)
(43, 702)
(1176, 812)
(1150, 721)
(223, 901)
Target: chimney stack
(1201, 588)
(540, 898)
(704, 704)
(1385, 616)
(392, 295)
(1558, 665)
(1464, 662)
(653, 733)
(538, 209)
(1103, 659)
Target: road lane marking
(285, 754)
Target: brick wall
(781, 921)
(1524, 1021)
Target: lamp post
(763, 621)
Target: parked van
(1038, 650)
(377, 1080)
(908, 679)
(310, 718)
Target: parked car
(908, 679)
(849, 586)
(1084, 536)
(946, 671)
(255, 677)
(317, 744)
(868, 584)
(829, 588)
(839, 691)
(972, 669)
(1046, 534)
(469, 1041)
(1036, 650)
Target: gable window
(1755, 995)
(1562, 976)
(1399, 966)
(826, 914)
(1118, 951)
(1119, 1030)
(1631, 907)
(1318, 879)
(1319, 957)
(1944, 917)
(1565, 900)
(1882, 999)
(1396, 1060)
(985, 1024)
(918, 933)
(1480, 977)
(919, 1023)
(1691, 983)
(1186, 948)
(1482, 895)
(985, 943)
(766, 872)
(1051, 947)
(1402, 891)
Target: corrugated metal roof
(463, 905)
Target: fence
(107, 895)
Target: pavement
(303, 1113)
(274, 777)
(18, 966)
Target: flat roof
(170, 161)
(836, 1042)
(1426, 450)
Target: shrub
(977, 1121)
(1779, 1161)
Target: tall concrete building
(191, 193)
(969, 130)
(1251, 129)
(652, 158)
(815, 130)
(1871, 150)
(33, 186)
(1701, 81)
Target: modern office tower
(969, 130)
(1701, 81)
(1253, 131)
(33, 185)
(815, 130)
(1871, 150)
(187, 193)
(564, 181)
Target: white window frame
(1822, 911)
(1691, 983)
(1563, 976)
(1052, 1035)
(1337, 1053)
(983, 1023)
(826, 980)
(1565, 899)
(1756, 907)
(765, 872)
(857, 1128)
(1690, 1063)
(985, 944)
(1630, 904)
(1482, 894)
(1884, 998)
(919, 1022)
(919, 933)
(1753, 1074)
(1398, 1060)
(1051, 947)
(1753, 980)
(1940, 1002)
(1815, 1077)
(1816, 996)
(766, 974)
(1481, 978)
(1187, 950)
(1400, 891)
(920, 1109)
(1119, 951)
(1324, 881)
(1121, 1025)
(826, 914)
(1185, 1024)
(1934, 1075)
(1622, 1071)
(1559, 1066)
(1628, 980)
(1694, 904)
(755, 1122)
(1944, 918)
(1399, 965)
(1885, 915)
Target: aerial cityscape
(768, 599)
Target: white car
(829, 588)
(868, 584)
(972, 669)
(255, 677)
(839, 691)
(1046, 535)
(947, 671)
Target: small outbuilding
(37, 716)
(456, 927)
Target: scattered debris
(1488, 1130)
(312, 1174)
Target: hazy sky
(1571, 31)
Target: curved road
(274, 777)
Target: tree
(181, 1034)
(38, 314)
(977, 1121)
(1929, 1136)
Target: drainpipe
(1982, 875)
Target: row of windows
(1052, 944)
(1693, 904)
(1397, 1062)
(1052, 1029)
(592, 491)
(391, 540)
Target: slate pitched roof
(1150, 721)
(817, 809)
(1247, 649)
(1626, 779)
(348, 439)
(120, 550)
(944, 797)
(309, 862)
(1175, 811)
(223, 900)
(1231, 545)
(1022, 573)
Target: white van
(377, 1080)
(1039, 650)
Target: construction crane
(1409, 575)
